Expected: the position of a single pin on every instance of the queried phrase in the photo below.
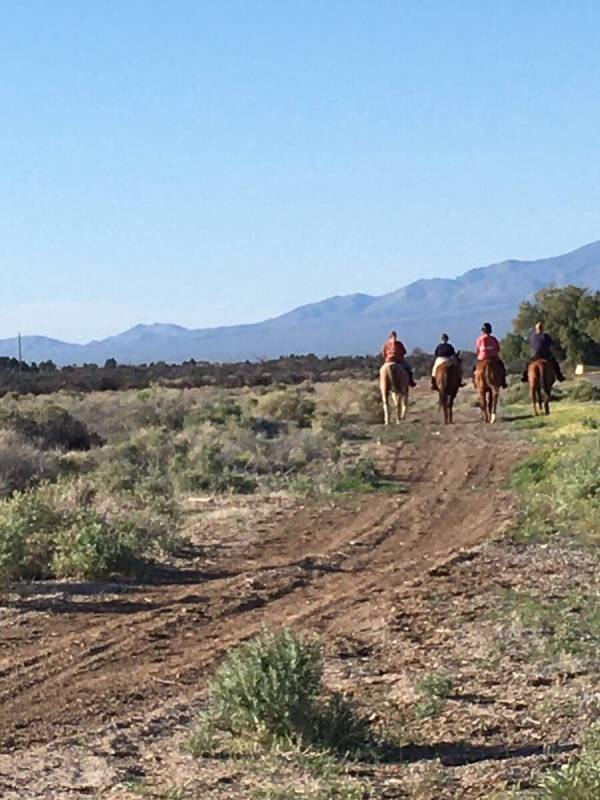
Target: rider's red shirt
(394, 351)
(487, 346)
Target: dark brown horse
(541, 376)
(448, 379)
(489, 377)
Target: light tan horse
(541, 376)
(489, 377)
(394, 380)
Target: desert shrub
(140, 465)
(287, 405)
(582, 391)
(219, 411)
(577, 780)
(363, 476)
(271, 688)
(51, 427)
(208, 467)
(336, 409)
(159, 409)
(27, 527)
(517, 393)
(60, 530)
(21, 463)
(433, 691)
(369, 405)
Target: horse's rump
(541, 372)
(489, 373)
(393, 378)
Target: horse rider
(487, 347)
(394, 352)
(442, 353)
(540, 346)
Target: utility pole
(20, 353)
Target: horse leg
(483, 404)
(396, 401)
(386, 410)
(450, 410)
(494, 395)
(534, 398)
(404, 405)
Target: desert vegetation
(294, 568)
(93, 485)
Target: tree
(110, 363)
(571, 315)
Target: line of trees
(571, 315)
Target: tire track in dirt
(77, 666)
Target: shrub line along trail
(76, 661)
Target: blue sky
(218, 162)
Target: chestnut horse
(541, 376)
(448, 378)
(393, 379)
(488, 382)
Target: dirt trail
(76, 664)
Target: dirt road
(91, 678)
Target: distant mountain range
(352, 324)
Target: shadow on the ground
(457, 754)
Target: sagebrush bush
(22, 464)
(369, 404)
(269, 686)
(62, 530)
(271, 689)
(50, 427)
(288, 405)
(582, 391)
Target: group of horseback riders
(487, 347)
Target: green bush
(363, 476)
(205, 468)
(271, 689)
(63, 531)
(577, 780)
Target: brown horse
(489, 377)
(541, 376)
(448, 378)
(393, 379)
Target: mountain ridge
(343, 324)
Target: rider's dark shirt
(541, 345)
(444, 350)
